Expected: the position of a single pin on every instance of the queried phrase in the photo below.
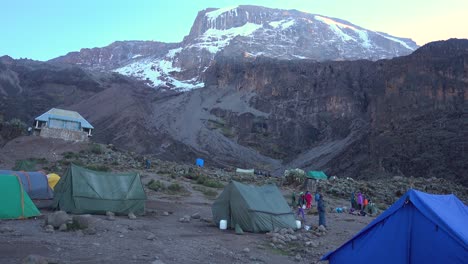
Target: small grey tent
(82, 191)
(253, 208)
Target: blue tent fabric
(34, 183)
(418, 228)
(200, 162)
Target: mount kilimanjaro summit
(242, 31)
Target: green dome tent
(253, 208)
(84, 191)
(16, 203)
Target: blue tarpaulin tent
(35, 183)
(418, 228)
(200, 162)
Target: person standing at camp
(365, 203)
(293, 199)
(321, 210)
(360, 200)
(317, 196)
(353, 200)
(148, 163)
(300, 213)
(301, 199)
(308, 198)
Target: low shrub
(97, 167)
(207, 192)
(70, 155)
(175, 187)
(96, 149)
(156, 185)
(205, 181)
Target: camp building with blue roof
(65, 124)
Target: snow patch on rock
(213, 15)
(159, 72)
(215, 40)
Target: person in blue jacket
(321, 210)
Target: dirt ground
(131, 241)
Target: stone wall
(63, 134)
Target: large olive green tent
(253, 208)
(82, 191)
(16, 203)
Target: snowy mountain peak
(251, 31)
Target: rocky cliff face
(241, 31)
(402, 116)
(115, 55)
(360, 119)
(29, 88)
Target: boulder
(110, 216)
(90, 231)
(131, 216)
(56, 219)
(49, 229)
(63, 227)
(196, 216)
(185, 219)
(83, 221)
(6, 229)
(246, 250)
(298, 257)
(312, 243)
(321, 228)
(37, 259)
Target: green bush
(175, 187)
(207, 192)
(17, 123)
(97, 167)
(156, 185)
(294, 176)
(70, 155)
(205, 181)
(28, 164)
(25, 165)
(96, 149)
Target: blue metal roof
(61, 114)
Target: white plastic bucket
(298, 224)
(223, 224)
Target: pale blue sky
(44, 29)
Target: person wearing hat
(300, 199)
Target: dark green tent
(82, 191)
(254, 208)
(318, 175)
(16, 203)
